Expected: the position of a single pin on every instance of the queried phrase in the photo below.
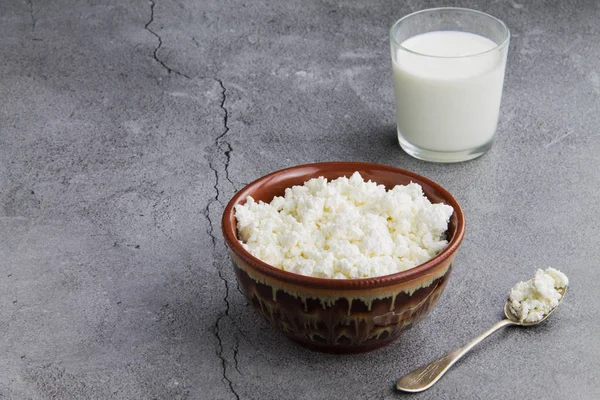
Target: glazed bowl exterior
(341, 315)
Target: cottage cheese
(530, 301)
(344, 229)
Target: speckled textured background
(125, 126)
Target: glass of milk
(448, 70)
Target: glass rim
(501, 45)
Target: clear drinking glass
(448, 70)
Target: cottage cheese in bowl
(344, 229)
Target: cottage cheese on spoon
(530, 301)
(344, 229)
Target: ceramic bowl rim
(230, 233)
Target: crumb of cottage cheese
(530, 301)
(344, 229)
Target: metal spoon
(424, 377)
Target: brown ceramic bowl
(332, 315)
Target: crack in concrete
(220, 340)
(216, 185)
(206, 212)
(225, 314)
(155, 53)
(228, 159)
(219, 142)
(32, 14)
(226, 117)
(235, 356)
(220, 138)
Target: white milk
(448, 104)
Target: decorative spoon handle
(424, 377)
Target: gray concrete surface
(126, 125)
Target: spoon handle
(424, 377)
